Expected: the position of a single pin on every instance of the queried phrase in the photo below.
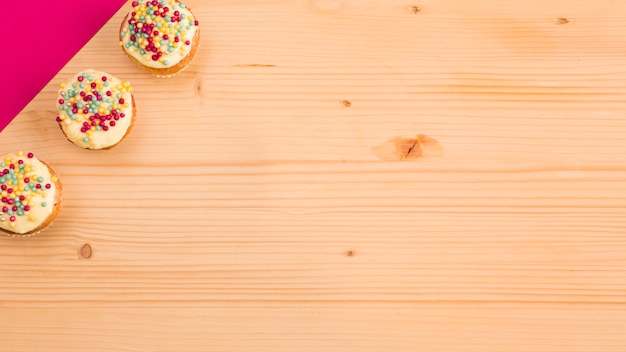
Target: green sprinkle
(10, 212)
(127, 45)
(74, 85)
(82, 85)
(165, 62)
(168, 18)
(98, 128)
(159, 25)
(142, 52)
(106, 84)
(40, 179)
(84, 75)
(44, 204)
(85, 139)
(183, 16)
(80, 105)
(14, 182)
(90, 78)
(163, 42)
(20, 212)
(170, 49)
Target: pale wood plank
(290, 234)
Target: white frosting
(24, 224)
(168, 59)
(99, 139)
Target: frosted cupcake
(95, 109)
(30, 194)
(162, 36)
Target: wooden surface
(276, 195)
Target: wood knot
(408, 148)
(414, 9)
(346, 103)
(86, 251)
(350, 253)
(199, 86)
(562, 20)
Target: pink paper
(41, 37)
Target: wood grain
(249, 209)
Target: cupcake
(31, 194)
(162, 36)
(95, 110)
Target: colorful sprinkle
(16, 201)
(154, 25)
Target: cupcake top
(28, 190)
(95, 109)
(158, 33)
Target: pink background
(39, 47)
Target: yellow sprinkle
(20, 153)
(139, 25)
(25, 201)
(62, 85)
(32, 218)
(54, 179)
(121, 43)
(67, 121)
(44, 194)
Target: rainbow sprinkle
(156, 29)
(19, 185)
(93, 102)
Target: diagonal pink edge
(43, 40)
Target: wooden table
(342, 175)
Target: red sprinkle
(112, 123)
(58, 119)
(12, 218)
(26, 179)
(121, 101)
(195, 22)
(104, 78)
(80, 78)
(61, 101)
(187, 42)
(26, 208)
